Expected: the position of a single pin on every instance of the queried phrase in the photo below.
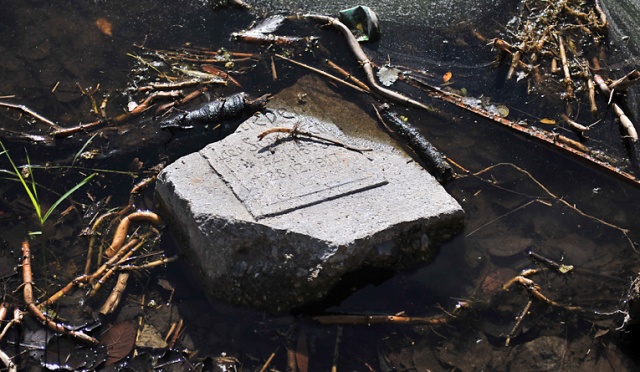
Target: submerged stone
(277, 223)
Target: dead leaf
(447, 76)
(302, 353)
(105, 26)
(119, 341)
(151, 338)
(547, 121)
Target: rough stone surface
(275, 224)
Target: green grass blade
(33, 177)
(32, 197)
(66, 195)
(83, 148)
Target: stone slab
(276, 224)
(297, 172)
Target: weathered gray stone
(277, 223)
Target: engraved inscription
(283, 173)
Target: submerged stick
(116, 295)
(27, 279)
(367, 66)
(625, 122)
(34, 114)
(347, 75)
(433, 160)
(519, 319)
(322, 73)
(121, 232)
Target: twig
(11, 366)
(430, 156)
(534, 290)
(622, 84)
(575, 125)
(27, 279)
(378, 319)
(362, 58)
(176, 334)
(111, 269)
(565, 68)
(348, 76)
(121, 232)
(17, 319)
(266, 364)
(322, 73)
(116, 295)
(556, 140)
(149, 265)
(625, 122)
(336, 350)
(624, 231)
(294, 132)
(34, 114)
(519, 319)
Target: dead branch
(623, 231)
(378, 319)
(622, 84)
(519, 319)
(109, 268)
(557, 140)
(575, 125)
(347, 75)
(66, 132)
(121, 232)
(432, 158)
(565, 68)
(17, 319)
(34, 114)
(322, 73)
(149, 265)
(366, 63)
(116, 295)
(27, 278)
(625, 122)
(266, 364)
(6, 360)
(535, 290)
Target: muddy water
(508, 213)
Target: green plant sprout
(32, 190)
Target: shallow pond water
(512, 209)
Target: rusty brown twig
(535, 290)
(27, 279)
(322, 73)
(122, 229)
(519, 319)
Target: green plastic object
(362, 21)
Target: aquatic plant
(31, 188)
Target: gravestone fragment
(277, 223)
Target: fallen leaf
(547, 121)
(388, 75)
(119, 341)
(447, 76)
(105, 26)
